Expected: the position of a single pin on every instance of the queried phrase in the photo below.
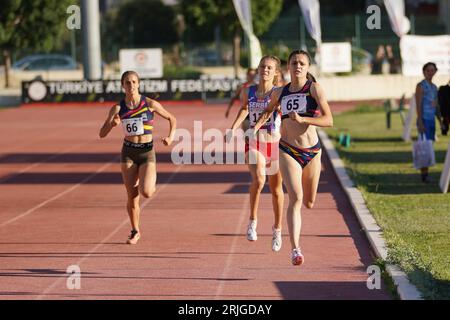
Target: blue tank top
(142, 111)
(256, 107)
(429, 95)
(300, 102)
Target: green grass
(415, 217)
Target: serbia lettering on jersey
(300, 102)
(136, 121)
(256, 107)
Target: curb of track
(405, 289)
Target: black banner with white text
(111, 90)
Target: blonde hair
(277, 67)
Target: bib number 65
(293, 105)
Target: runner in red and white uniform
(262, 152)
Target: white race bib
(133, 126)
(254, 116)
(293, 103)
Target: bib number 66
(132, 127)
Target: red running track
(62, 203)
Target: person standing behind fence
(138, 162)
(377, 61)
(426, 101)
(394, 63)
(261, 153)
(304, 107)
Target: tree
(30, 24)
(202, 16)
(140, 23)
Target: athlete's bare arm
(234, 98)
(273, 105)
(159, 109)
(242, 114)
(111, 121)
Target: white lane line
(109, 236)
(237, 232)
(59, 195)
(36, 140)
(53, 156)
(52, 286)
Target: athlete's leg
(130, 179)
(257, 172)
(276, 188)
(147, 179)
(291, 172)
(310, 180)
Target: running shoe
(297, 257)
(251, 231)
(276, 239)
(133, 237)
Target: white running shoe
(297, 257)
(251, 231)
(276, 239)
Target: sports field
(62, 203)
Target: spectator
(394, 63)
(426, 101)
(377, 62)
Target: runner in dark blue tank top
(303, 107)
(302, 101)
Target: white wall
(372, 87)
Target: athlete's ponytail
(310, 77)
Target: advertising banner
(336, 57)
(111, 90)
(418, 50)
(148, 63)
